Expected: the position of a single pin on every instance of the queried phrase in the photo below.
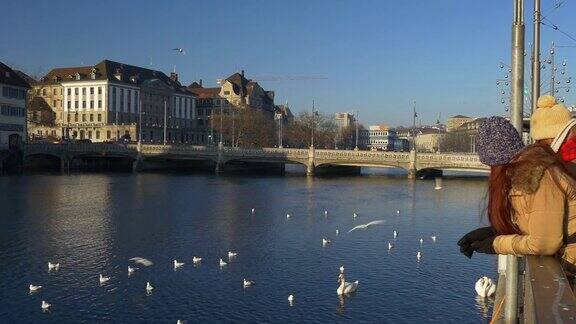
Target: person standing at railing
(531, 198)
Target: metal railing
(542, 294)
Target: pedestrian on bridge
(531, 198)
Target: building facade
(13, 99)
(111, 101)
(344, 120)
(454, 122)
(379, 138)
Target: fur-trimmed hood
(528, 169)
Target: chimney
(242, 73)
(200, 82)
(174, 76)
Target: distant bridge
(415, 164)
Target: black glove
(478, 234)
(484, 246)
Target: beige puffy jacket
(544, 209)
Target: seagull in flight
(365, 226)
(180, 50)
(142, 261)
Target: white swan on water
(178, 264)
(45, 306)
(196, 259)
(287, 216)
(248, 283)
(390, 246)
(34, 288)
(149, 287)
(346, 287)
(103, 279)
(433, 237)
(325, 242)
(485, 287)
(337, 232)
(395, 233)
(232, 254)
(418, 256)
(53, 266)
(131, 270)
(222, 263)
(355, 215)
(290, 299)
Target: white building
(111, 100)
(12, 108)
(378, 138)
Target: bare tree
(249, 128)
(346, 138)
(299, 132)
(455, 142)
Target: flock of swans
(484, 287)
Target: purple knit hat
(497, 141)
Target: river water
(94, 223)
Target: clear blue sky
(377, 55)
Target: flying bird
(142, 261)
(180, 50)
(365, 226)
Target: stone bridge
(415, 164)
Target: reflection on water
(94, 223)
(484, 305)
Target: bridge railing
(545, 296)
(78, 147)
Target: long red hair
(499, 207)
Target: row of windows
(76, 104)
(77, 90)
(54, 91)
(13, 93)
(12, 111)
(86, 117)
(129, 99)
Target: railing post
(412, 165)
(511, 303)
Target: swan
(178, 264)
(325, 213)
(287, 216)
(179, 322)
(355, 215)
(222, 263)
(232, 254)
(45, 306)
(290, 299)
(346, 287)
(34, 288)
(103, 279)
(131, 270)
(365, 226)
(395, 233)
(53, 266)
(419, 256)
(325, 242)
(341, 269)
(390, 246)
(337, 232)
(196, 259)
(253, 210)
(421, 241)
(485, 287)
(149, 287)
(248, 283)
(142, 261)
(433, 237)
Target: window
(99, 117)
(83, 103)
(76, 117)
(129, 100)
(108, 134)
(76, 91)
(91, 90)
(76, 104)
(114, 99)
(97, 134)
(226, 93)
(122, 99)
(90, 134)
(91, 117)
(43, 92)
(69, 91)
(83, 117)
(91, 104)
(53, 103)
(99, 103)
(69, 104)
(54, 91)
(83, 91)
(99, 90)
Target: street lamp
(356, 124)
(278, 117)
